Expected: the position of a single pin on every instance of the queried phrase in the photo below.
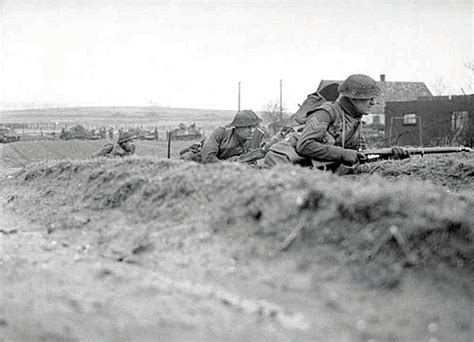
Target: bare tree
(275, 118)
(439, 86)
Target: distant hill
(147, 116)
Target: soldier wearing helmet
(332, 135)
(226, 143)
(125, 146)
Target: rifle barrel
(420, 150)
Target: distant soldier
(125, 147)
(226, 143)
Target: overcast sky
(193, 53)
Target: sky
(193, 53)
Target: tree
(439, 86)
(274, 117)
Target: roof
(392, 91)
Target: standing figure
(125, 147)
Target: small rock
(299, 201)
(300, 283)
(103, 272)
(361, 325)
(204, 236)
(183, 263)
(51, 228)
(432, 327)
(231, 270)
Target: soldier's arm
(210, 147)
(315, 142)
(104, 151)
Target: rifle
(386, 153)
(253, 155)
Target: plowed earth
(145, 249)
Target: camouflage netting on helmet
(245, 118)
(359, 86)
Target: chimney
(382, 77)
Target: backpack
(315, 100)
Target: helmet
(245, 118)
(359, 86)
(126, 136)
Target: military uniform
(332, 133)
(123, 148)
(223, 143)
(112, 150)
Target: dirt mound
(377, 222)
(454, 172)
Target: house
(431, 121)
(391, 91)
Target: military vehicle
(78, 132)
(184, 132)
(8, 135)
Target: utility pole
(281, 99)
(238, 105)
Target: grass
(24, 152)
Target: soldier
(225, 143)
(331, 138)
(125, 147)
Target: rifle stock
(385, 153)
(253, 155)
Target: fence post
(169, 145)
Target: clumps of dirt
(376, 221)
(456, 172)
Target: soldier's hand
(352, 157)
(400, 152)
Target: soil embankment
(146, 248)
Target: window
(459, 120)
(409, 119)
(376, 120)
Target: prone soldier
(229, 143)
(124, 147)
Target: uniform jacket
(223, 143)
(331, 128)
(113, 150)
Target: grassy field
(25, 152)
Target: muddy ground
(146, 249)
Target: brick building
(431, 121)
